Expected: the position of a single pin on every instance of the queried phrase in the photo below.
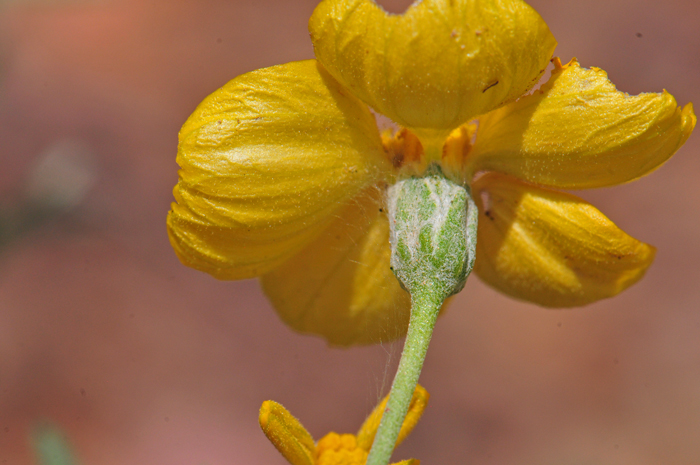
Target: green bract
(433, 233)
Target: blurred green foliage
(51, 446)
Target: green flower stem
(433, 244)
(425, 307)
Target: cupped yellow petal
(265, 161)
(439, 64)
(551, 248)
(287, 434)
(419, 401)
(340, 286)
(578, 131)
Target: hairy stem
(433, 244)
(425, 307)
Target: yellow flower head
(297, 446)
(283, 171)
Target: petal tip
(264, 416)
(688, 121)
(644, 257)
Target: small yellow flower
(283, 170)
(296, 444)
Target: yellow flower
(296, 444)
(283, 171)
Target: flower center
(337, 449)
(405, 151)
(402, 147)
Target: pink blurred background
(143, 361)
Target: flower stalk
(424, 311)
(433, 242)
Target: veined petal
(265, 161)
(551, 248)
(419, 401)
(287, 434)
(341, 285)
(439, 64)
(578, 131)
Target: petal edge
(578, 131)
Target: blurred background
(138, 359)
